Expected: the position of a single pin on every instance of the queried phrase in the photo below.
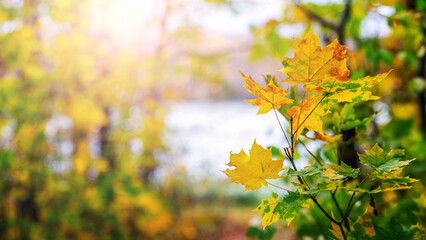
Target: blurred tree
(83, 99)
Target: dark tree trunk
(107, 148)
(347, 151)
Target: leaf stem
(282, 129)
(310, 113)
(298, 118)
(278, 187)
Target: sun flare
(125, 21)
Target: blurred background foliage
(86, 87)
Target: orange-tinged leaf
(307, 115)
(268, 98)
(252, 171)
(366, 222)
(324, 70)
(311, 63)
(336, 231)
(327, 138)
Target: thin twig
(322, 209)
(359, 199)
(303, 182)
(336, 203)
(348, 207)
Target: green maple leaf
(324, 186)
(307, 171)
(334, 171)
(273, 209)
(387, 168)
(384, 161)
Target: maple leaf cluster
(324, 75)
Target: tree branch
(338, 28)
(315, 16)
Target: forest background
(116, 117)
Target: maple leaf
(383, 161)
(313, 64)
(386, 168)
(267, 208)
(334, 171)
(392, 177)
(273, 209)
(366, 221)
(338, 90)
(336, 231)
(324, 186)
(395, 230)
(268, 98)
(324, 70)
(307, 115)
(252, 171)
(307, 171)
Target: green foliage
(347, 119)
(256, 233)
(384, 161)
(288, 207)
(394, 231)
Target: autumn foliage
(324, 76)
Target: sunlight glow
(125, 21)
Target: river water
(202, 134)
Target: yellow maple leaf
(252, 171)
(307, 115)
(268, 98)
(311, 63)
(349, 90)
